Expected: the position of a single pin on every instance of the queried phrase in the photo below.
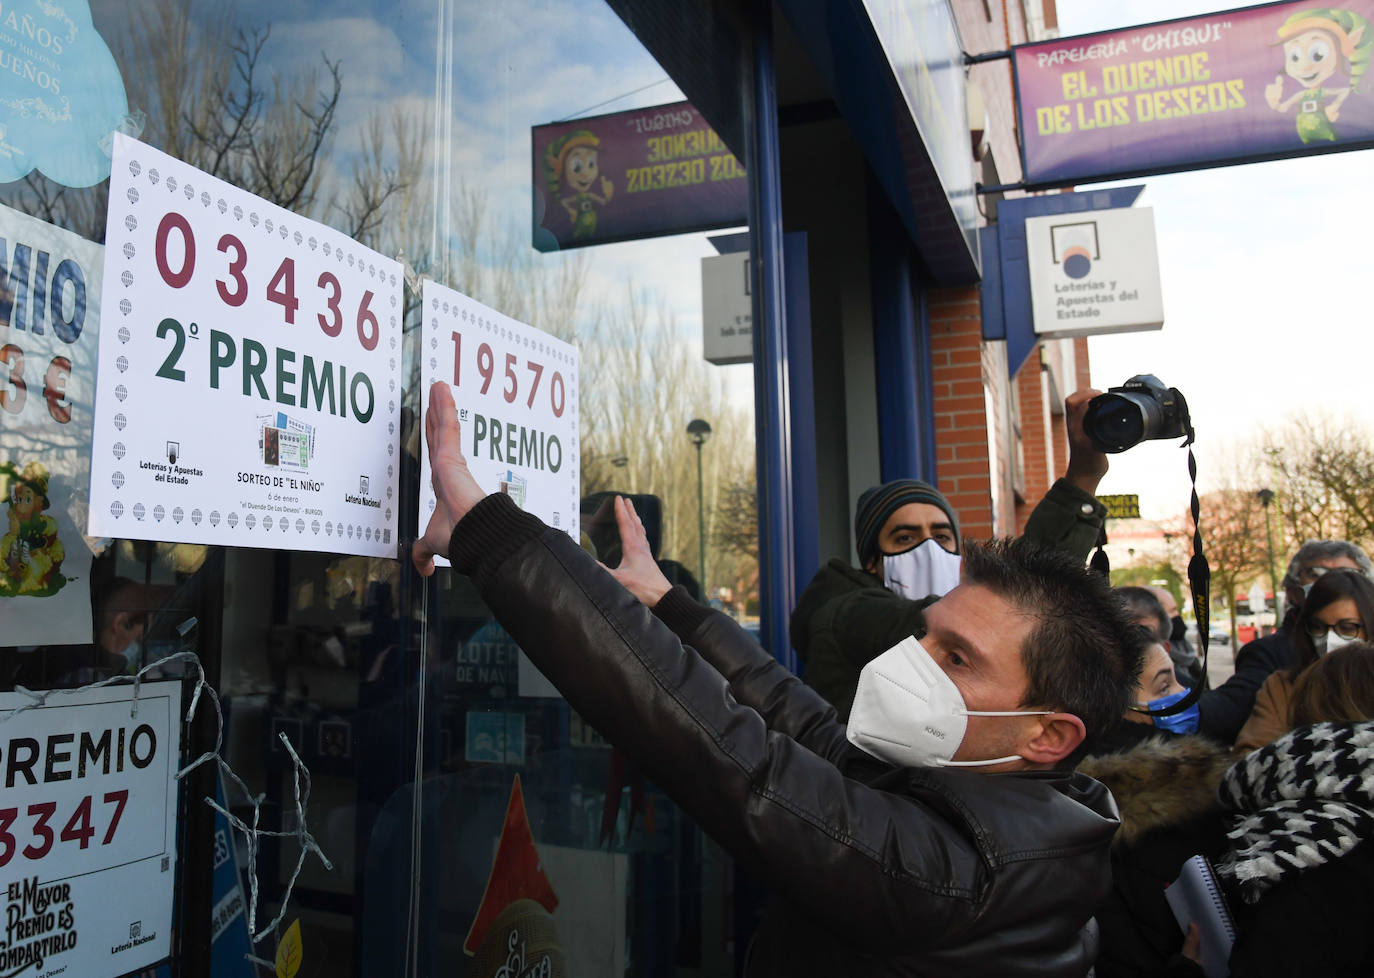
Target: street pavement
(1221, 662)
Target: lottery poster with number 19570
(249, 374)
(516, 392)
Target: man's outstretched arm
(782, 810)
(1069, 517)
(756, 679)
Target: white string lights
(252, 833)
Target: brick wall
(1027, 394)
(968, 382)
(1080, 351)
(974, 440)
(961, 428)
(1044, 435)
(982, 29)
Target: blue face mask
(1180, 723)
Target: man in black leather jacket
(881, 869)
(846, 616)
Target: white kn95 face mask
(925, 569)
(1334, 641)
(909, 713)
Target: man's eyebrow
(921, 526)
(961, 641)
(1161, 672)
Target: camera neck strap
(1199, 583)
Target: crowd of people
(996, 763)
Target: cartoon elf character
(31, 555)
(1317, 43)
(570, 163)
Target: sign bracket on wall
(1006, 285)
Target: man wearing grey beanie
(933, 518)
(907, 537)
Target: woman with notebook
(1285, 834)
(1300, 866)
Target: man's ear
(1058, 737)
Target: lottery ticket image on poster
(271, 454)
(286, 443)
(294, 450)
(514, 486)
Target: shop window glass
(408, 127)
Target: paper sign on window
(249, 388)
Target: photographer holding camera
(907, 537)
(1143, 409)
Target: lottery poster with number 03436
(250, 363)
(516, 392)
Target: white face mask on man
(909, 713)
(924, 570)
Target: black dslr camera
(1139, 410)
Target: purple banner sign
(1282, 79)
(638, 174)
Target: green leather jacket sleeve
(1067, 519)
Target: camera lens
(1115, 422)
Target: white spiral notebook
(1196, 897)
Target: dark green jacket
(846, 617)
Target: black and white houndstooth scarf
(1302, 801)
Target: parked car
(1219, 637)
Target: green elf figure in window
(570, 164)
(1318, 43)
(31, 554)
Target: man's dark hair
(120, 595)
(1080, 656)
(1140, 603)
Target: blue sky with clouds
(515, 64)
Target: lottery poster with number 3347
(516, 392)
(249, 374)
